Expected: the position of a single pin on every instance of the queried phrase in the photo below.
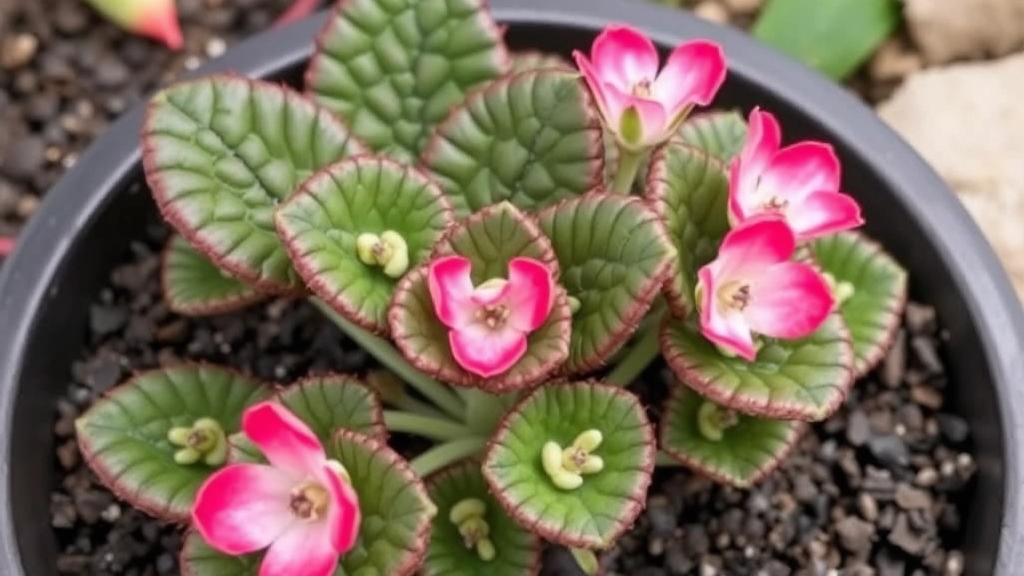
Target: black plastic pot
(91, 214)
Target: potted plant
(436, 206)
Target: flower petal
(790, 300)
(730, 330)
(623, 57)
(451, 290)
(286, 441)
(304, 550)
(823, 213)
(532, 293)
(755, 245)
(344, 515)
(798, 170)
(594, 82)
(244, 507)
(763, 140)
(692, 75)
(486, 352)
(653, 121)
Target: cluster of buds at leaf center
(388, 250)
(468, 516)
(567, 466)
(204, 440)
(713, 420)
(841, 289)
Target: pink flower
(800, 182)
(488, 324)
(642, 107)
(299, 505)
(753, 287)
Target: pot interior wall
(56, 336)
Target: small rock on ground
(947, 30)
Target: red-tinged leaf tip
(160, 22)
(6, 245)
(297, 11)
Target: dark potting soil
(875, 490)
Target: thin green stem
(414, 406)
(448, 453)
(442, 429)
(637, 359)
(484, 409)
(628, 168)
(440, 394)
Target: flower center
(642, 89)
(734, 296)
(309, 502)
(775, 204)
(493, 315)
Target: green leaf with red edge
(393, 70)
(517, 550)
(879, 283)
(805, 379)
(123, 436)
(321, 223)
(718, 134)
(194, 286)
(750, 449)
(221, 152)
(614, 255)
(526, 60)
(395, 528)
(607, 503)
(689, 190)
(532, 139)
(489, 239)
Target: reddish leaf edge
(695, 379)
(793, 436)
(637, 500)
(558, 62)
(313, 280)
(212, 307)
(109, 479)
(642, 305)
(177, 220)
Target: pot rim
(974, 267)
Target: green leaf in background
(748, 450)
(831, 36)
(607, 502)
(614, 254)
(516, 549)
(123, 436)
(872, 288)
(194, 286)
(690, 191)
(221, 153)
(322, 224)
(718, 134)
(804, 379)
(331, 401)
(393, 69)
(489, 239)
(531, 139)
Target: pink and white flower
(641, 106)
(488, 324)
(300, 506)
(754, 287)
(799, 182)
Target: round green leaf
(748, 451)
(198, 558)
(364, 195)
(804, 379)
(489, 238)
(879, 285)
(221, 152)
(393, 70)
(332, 401)
(607, 503)
(689, 190)
(717, 134)
(123, 436)
(532, 139)
(614, 254)
(517, 550)
(526, 60)
(194, 286)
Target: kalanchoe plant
(447, 204)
